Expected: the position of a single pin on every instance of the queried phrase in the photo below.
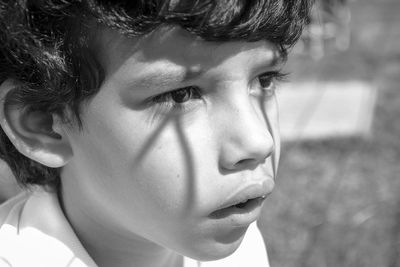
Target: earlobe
(36, 134)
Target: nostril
(247, 163)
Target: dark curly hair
(45, 46)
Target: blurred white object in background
(318, 109)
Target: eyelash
(271, 77)
(167, 102)
(166, 99)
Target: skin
(145, 174)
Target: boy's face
(163, 164)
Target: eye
(178, 96)
(183, 95)
(267, 82)
(181, 100)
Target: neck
(109, 245)
(130, 258)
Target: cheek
(169, 171)
(157, 165)
(164, 165)
(139, 183)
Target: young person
(144, 132)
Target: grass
(337, 201)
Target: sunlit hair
(45, 45)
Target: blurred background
(337, 197)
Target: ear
(38, 135)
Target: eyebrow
(166, 77)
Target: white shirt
(34, 232)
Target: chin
(219, 248)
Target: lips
(244, 205)
(249, 192)
(248, 202)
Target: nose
(247, 139)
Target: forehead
(173, 47)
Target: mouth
(244, 206)
(249, 203)
(240, 214)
